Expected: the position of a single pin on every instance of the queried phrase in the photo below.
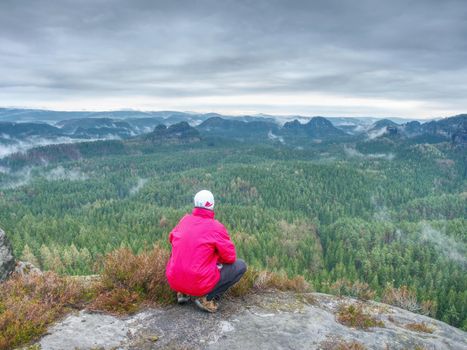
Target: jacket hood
(205, 213)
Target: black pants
(230, 274)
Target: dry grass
(401, 297)
(28, 304)
(419, 327)
(341, 345)
(117, 301)
(357, 289)
(354, 316)
(255, 280)
(128, 279)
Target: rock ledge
(271, 320)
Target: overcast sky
(347, 57)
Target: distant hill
(238, 129)
(177, 133)
(59, 127)
(320, 127)
(21, 130)
(71, 125)
(317, 129)
(452, 129)
(39, 115)
(383, 123)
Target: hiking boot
(206, 305)
(182, 298)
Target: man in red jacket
(203, 263)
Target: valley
(379, 208)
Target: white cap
(204, 199)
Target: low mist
(16, 179)
(445, 244)
(139, 185)
(274, 137)
(353, 153)
(20, 146)
(26, 175)
(60, 173)
(373, 134)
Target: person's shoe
(206, 305)
(182, 298)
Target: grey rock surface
(24, 268)
(272, 320)
(7, 261)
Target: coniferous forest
(379, 217)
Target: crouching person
(203, 263)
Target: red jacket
(199, 242)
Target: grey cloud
(377, 49)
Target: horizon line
(257, 114)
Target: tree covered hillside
(385, 218)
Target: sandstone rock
(24, 268)
(271, 320)
(7, 261)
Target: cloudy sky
(330, 57)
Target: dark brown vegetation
(419, 327)
(357, 289)
(28, 304)
(354, 316)
(257, 280)
(406, 299)
(338, 344)
(128, 279)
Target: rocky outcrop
(272, 320)
(177, 133)
(239, 129)
(452, 129)
(7, 261)
(25, 268)
(317, 127)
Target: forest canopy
(376, 216)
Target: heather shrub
(339, 344)
(256, 280)
(280, 281)
(246, 283)
(128, 279)
(419, 327)
(401, 297)
(28, 304)
(429, 308)
(117, 301)
(357, 289)
(354, 316)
